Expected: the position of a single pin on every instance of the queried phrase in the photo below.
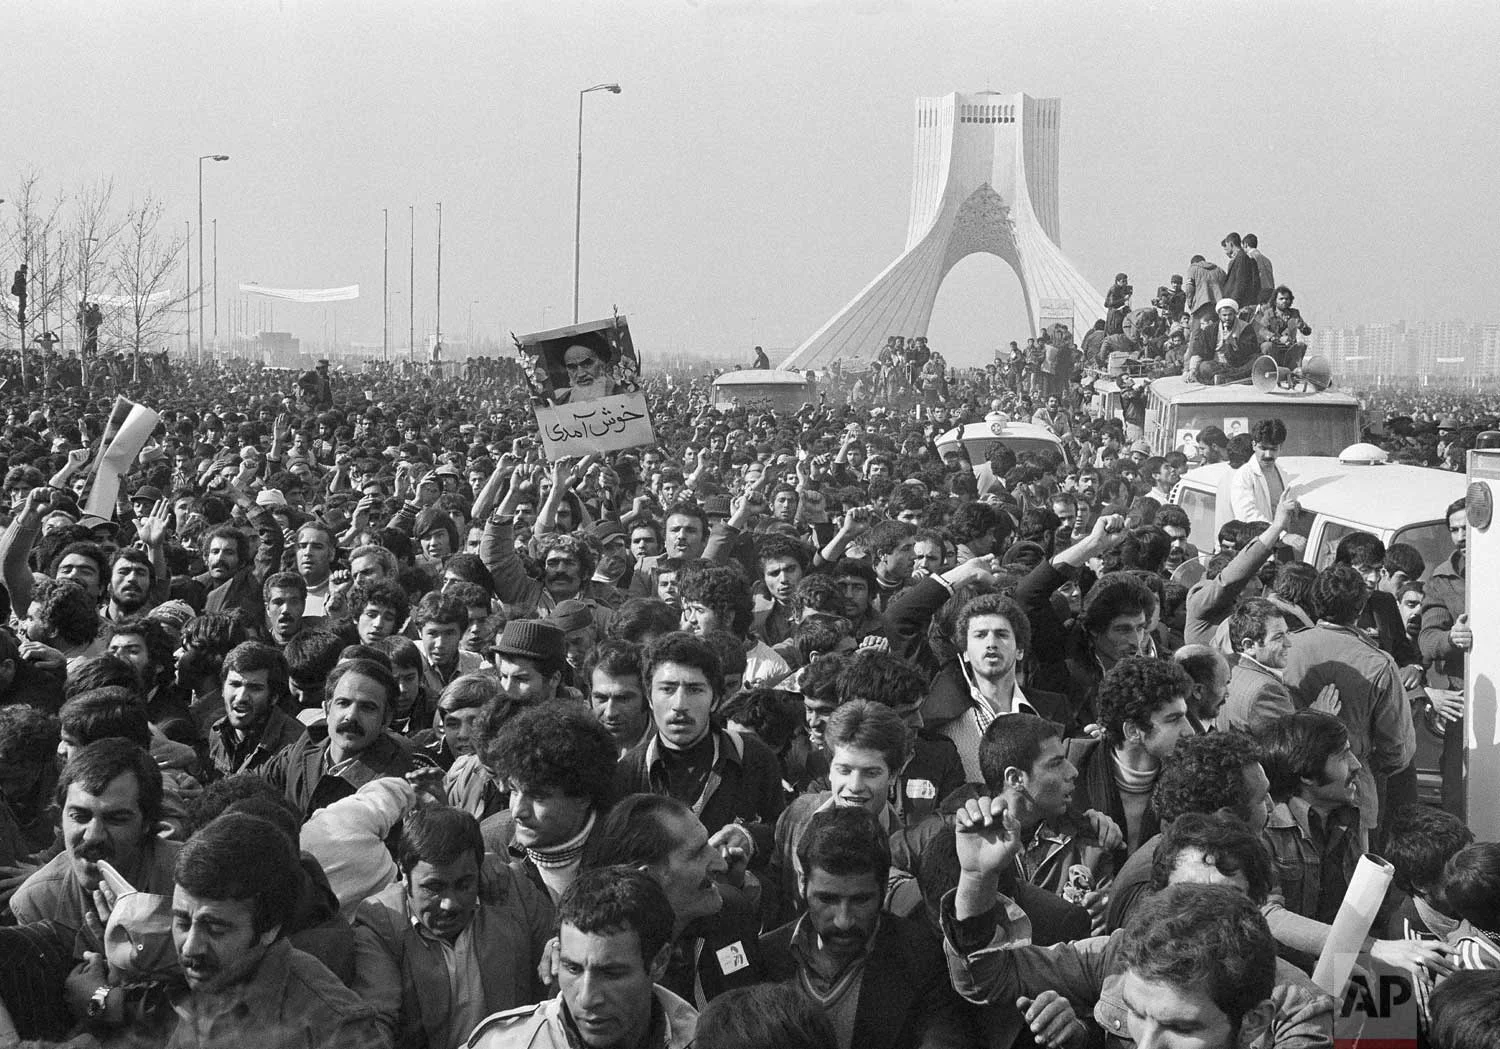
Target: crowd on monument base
(360, 723)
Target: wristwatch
(99, 1002)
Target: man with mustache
(685, 532)
(130, 585)
(111, 794)
(879, 977)
(567, 564)
(285, 607)
(456, 938)
(236, 888)
(334, 760)
(529, 658)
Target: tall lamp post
(201, 329)
(411, 291)
(385, 291)
(613, 89)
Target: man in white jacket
(1256, 488)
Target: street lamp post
(411, 291)
(206, 156)
(385, 291)
(613, 89)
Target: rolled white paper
(1367, 889)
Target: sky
(754, 173)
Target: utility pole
(437, 339)
(216, 284)
(385, 291)
(411, 290)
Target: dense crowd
(357, 722)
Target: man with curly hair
(717, 597)
(558, 765)
(379, 608)
(1216, 773)
(1143, 710)
(63, 617)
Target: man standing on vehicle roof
(1256, 488)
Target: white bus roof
(1176, 390)
(762, 377)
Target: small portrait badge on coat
(732, 958)
(920, 790)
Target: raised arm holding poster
(125, 434)
(584, 389)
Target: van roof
(986, 431)
(1177, 390)
(762, 377)
(1384, 496)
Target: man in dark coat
(1242, 279)
(314, 772)
(877, 977)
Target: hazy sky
(755, 172)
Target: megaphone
(1268, 378)
(1315, 372)
(1265, 376)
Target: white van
(1359, 491)
(978, 439)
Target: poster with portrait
(585, 388)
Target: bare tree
(27, 239)
(91, 236)
(146, 269)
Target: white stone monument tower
(985, 179)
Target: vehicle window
(1311, 429)
(979, 451)
(1431, 540)
(1199, 506)
(1328, 543)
